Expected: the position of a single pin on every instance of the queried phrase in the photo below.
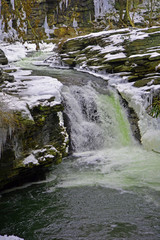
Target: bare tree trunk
(151, 13)
(127, 13)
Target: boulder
(30, 146)
(32, 134)
(3, 59)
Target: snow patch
(110, 57)
(17, 51)
(30, 159)
(12, 237)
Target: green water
(120, 118)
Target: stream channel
(107, 189)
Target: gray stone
(3, 59)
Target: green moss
(154, 108)
(141, 83)
(69, 61)
(152, 30)
(122, 68)
(133, 78)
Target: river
(108, 188)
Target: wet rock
(3, 59)
(133, 119)
(8, 78)
(32, 147)
(5, 77)
(157, 68)
(69, 61)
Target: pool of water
(80, 201)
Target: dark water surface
(48, 211)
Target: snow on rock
(138, 99)
(117, 56)
(12, 237)
(40, 89)
(15, 103)
(30, 159)
(16, 51)
(32, 91)
(41, 155)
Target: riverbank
(33, 135)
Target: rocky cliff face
(134, 53)
(59, 18)
(32, 134)
(67, 18)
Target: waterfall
(96, 121)
(104, 150)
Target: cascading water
(96, 120)
(101, 136)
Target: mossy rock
(152, 30)
(3, 58)
(94, 62)
(62, 32)
(133, 78)
(69, 61)
(29, 135)
(9, 70)
(137, 57)
(107, 67)
(144, 67)
(156, 81)
(141, 83)
(122, 68)
(7, 77)
(74, 54)
(72, 45)
(153, 58)
(80, 59)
